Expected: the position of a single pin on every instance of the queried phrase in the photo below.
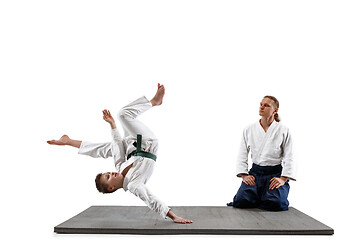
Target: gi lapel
(274, 125)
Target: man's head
(108, 182)
(269, 106)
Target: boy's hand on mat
(249, 180)
(276, 182)
(181, 220)
(177, 219)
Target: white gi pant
(119, 148)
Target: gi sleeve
(288, 161)
(155, 204)
(242, 160)
(118, 148)
(116, 135)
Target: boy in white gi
(134, 155)
(266, 185)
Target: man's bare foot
(157, 99)
(62, 141)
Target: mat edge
(59, 230)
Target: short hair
(102, 187)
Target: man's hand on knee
(249, 180)
(276, 182)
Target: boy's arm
(141, 191)
(119, 150)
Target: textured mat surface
(207, 220)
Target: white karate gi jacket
(140, 172)
(267, 149)
(119, 148)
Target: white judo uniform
(269, 148)
(120, 148)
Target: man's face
(267, 107)
(110, 178)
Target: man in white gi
(266, 185)
(134, 155)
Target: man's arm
(242, 159)
(288, 161)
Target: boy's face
(111, 179)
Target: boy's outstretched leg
(65, 141)
(128, 114)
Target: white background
(62, 62)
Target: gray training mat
(207, 220)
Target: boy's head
(107, 182)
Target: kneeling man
(266, 185)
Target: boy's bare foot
(157, 99)
(62, 141)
